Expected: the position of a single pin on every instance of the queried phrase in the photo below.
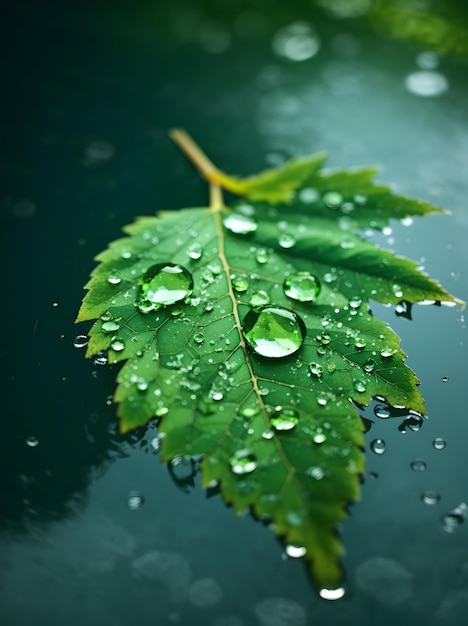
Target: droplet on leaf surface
(273, 332)
(302, 286)
(243, 462)
(284, 418)
(165, 284)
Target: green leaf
(246, 331)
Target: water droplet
(199, 338)
(110, 327)
(195, 251)
(114, 279)
(426, 83)
(181, 467)
(360, 386)
(316, 473)
(369, 366)
(273, 332)
(32, 441)
(296, 42)
(295, 550)
(445, 379)
(155, 444)
(117, 344)
(382, 411)
(80, 341)
(100, 358)
(418, 465)
(164, 284)
(308, 195)
(239, 224)
(430, 497)
(319, 437)
(142, 384)
(284, 418)
(268, 434)
(413, 422)
(240, 284)
(259, 298)
(427, 60)
(316, 369)
(451, 522)
(355, 302)
(302, 286)
(329, 277)
(387, 352)
(243, 462)
(262, 256)
(332, 199)
(332, 594)
(378, 446)
(439, 443)
(359, 343)
(286, 240)
(397, 291)
(135, 500)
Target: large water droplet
(243, 462)
(302, 286)
(284, 418)
(273, 332)
(117, 344)
(164, 284)
(240, 224)
(360, 386)
(378, 446)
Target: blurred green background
(89, 90)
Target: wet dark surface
(87, 103)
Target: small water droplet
(286, 240)
(445, 379)
(181, 467)
(100, 358)
(355, 302)
(155, 444)
(259, 298)
(199, 338)
(135, 500)
(268, 434)
(81, 341)
(308, 195)
(296, 42)
(332, 199)
(32, 441)
(430, 497)
(315, 472)
(117, 344)
(360, 386)
(397, 291)
(243, 462)
(359, 343)
(240, 284)
(387, 352)
(164, 284)
(262, 256)
(319, 437)
(114, 279)
(110, 327)
(332, 594)
(239, 224)
(378, 446)
(284, 418)
(295, 550)
(382, 411)
(418, 465)
(302, 286)
(273, 331)
(369, 366)
(329, 277)
(439, 443)
(451, 522)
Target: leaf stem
(194, 153)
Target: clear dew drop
(114, 279)
(316, 369)
(286, 240)
(332, 594)
(135, 500)
(378, 446)
(117, 344)
(387, 352)
(273, 331)
(329, 277)
(195, 251)
(369, 365)
(332, 199)
(199, 337)
(430, 497)
(268, 434)
(360, 386)
(315, 472)
(164, 284)
(32, 441)
(240, 224)
(181, 467)
(262, 256)
(418, 465)
(100, 358)
(110, 327)
(259, 298)
(397, 291)
(439, 443)
(295, 550)
(284, 418)
(319, 437)
(240, 284)
(302, 286)
(81, 341)
(243, 462)
(359, 343)
(445, 379)
(382, 411)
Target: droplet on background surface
(262, 256)
(32, 441)
(239, 224)
(430, 497)
(100, 358)
(295, 550)
(302, 286)
(426, 83)
(418, 465)
(23, 209)
(439, 443)
(378, 446)
(296, 42)
(451, 521)
(273, 332)
(335, 593)
(81, 341)
(243, 462)
(135, 500)
(165, 284)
